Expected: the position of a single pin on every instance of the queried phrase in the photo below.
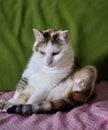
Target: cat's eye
(55, 53)
(42, 52)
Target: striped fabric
(91, 116)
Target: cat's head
(52, 45)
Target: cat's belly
(62, 90)
(42, 83)
(45, 80)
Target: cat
(53, 80)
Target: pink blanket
(91, 116)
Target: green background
(87, 21)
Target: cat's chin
(50, 65)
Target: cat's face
(52, 45)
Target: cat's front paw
(4, 105)
(79, 85)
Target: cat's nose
(49, 61)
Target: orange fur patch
(23, 98)
(87, 73)
(41, 46)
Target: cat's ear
(38, 35)
(64, 36)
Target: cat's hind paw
(79, 85)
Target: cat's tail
(44, 107)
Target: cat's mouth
(50, 65)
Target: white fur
(44, 72)
(43, 77)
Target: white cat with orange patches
(53, 80)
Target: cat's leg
(84, 78)
(83, 82)
(21, 98)
(38, 96)
(15, 99)
(31, 105)
(21, 86)
(5, 104)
